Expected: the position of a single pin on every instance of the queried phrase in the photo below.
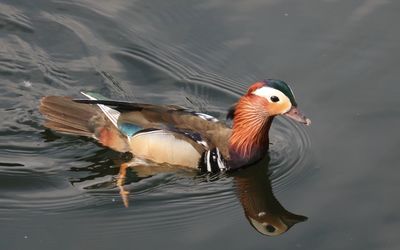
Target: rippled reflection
(252, 185)
(260, 206)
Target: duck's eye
(270, 228)
(274, 98)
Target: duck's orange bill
(296, 115)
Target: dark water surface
(341, 57)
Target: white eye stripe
(268, 92)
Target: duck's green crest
(283, 87)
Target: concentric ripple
(289, 153)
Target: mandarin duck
(173, 135)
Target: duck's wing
(134, 117)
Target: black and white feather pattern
(212, 161)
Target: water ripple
(175, 203)
(289, 153)
(22, 58)
(12, 18)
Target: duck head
(253, 114)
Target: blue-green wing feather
(129, 129)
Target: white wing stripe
(111, 114)
(221, 165)
(206, 117)
(208, 161)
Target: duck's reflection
(253, 187)
(260, 206)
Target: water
(341, 58)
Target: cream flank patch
(163, 147)
(267, 93)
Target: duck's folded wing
(136, 116)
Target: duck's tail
(66, 116)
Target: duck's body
(174, 135)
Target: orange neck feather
(251, 124)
